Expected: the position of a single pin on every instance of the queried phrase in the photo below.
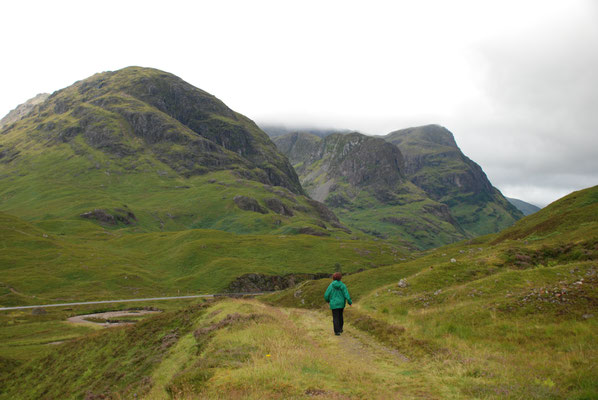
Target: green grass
(107, 361)
(508, 319)
(406, 221)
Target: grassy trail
(388, 367)
(284, 353)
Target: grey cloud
(538, 131)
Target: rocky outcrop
(249, 204)
(253, 283)
(388, 175)
(434, 162)
(350, 172)
(357, 159)
(278, 207)
(309, 230)
(117, 216)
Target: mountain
(525, 208)
(280, 130)
(418, 185)
(135, 183)
(434, 163)
(22, 110)
(362, 179)
(141, 149)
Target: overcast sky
(515, 81)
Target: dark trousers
(337, 320)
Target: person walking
(336, 295)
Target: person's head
(337, 276)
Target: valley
(134, 184)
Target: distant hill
(524, 207)
(135, 182)
(575, 213)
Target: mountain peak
(432, 134)
(133, 110)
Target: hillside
(504, 316)
(39, 266)
(143, 150)
(524, 207)
(434, 163)
(508, 315)
(362, 179)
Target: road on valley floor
(133, 300)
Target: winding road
(133, 300)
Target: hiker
(336, 295)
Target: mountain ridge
(361, 179)
(434, 162)
(428, 187)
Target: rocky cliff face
(434, 162)
(362, 179)
(353, 158)
(415, 183)
(433, 146)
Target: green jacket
(336, 294)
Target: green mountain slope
(40, 266)
(361, 179)
(142, 149)
(434, 163)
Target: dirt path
(82, 319)
(352, 340)
(362, 351)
